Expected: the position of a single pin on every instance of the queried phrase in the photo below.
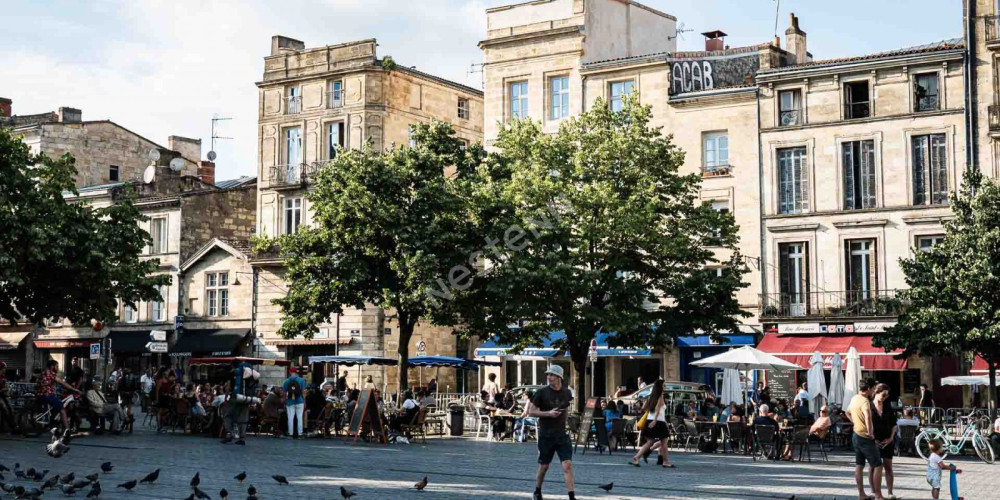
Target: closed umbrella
(835, 395)
(816, 382)
(731, 388)
(853, 376)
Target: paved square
(458, 468)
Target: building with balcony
(859, 156)
(314, 103)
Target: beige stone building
(858, 158)
(314, 102)
(105, 151)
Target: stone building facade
(105, 151)
(314, 102)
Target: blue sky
(165, 67)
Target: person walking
(656, 431)
(294, 402)
(884, 432)
(146, 383)
(865, 448)
(490, 387)
(342, 385)
(550, 405)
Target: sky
(167, 67)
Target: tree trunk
(581, 381)
(405, 334)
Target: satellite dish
(154, 154)
(212, 156)
(176, 164)
(149, 174)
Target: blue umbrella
(353, 360)
(462, 363)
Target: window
(790, 107)
(925, 92)
(519, 100)
(716, 150)
(131, 315)
(618, 92)
(721, 206)
(335, 96)
(859, 174)
(930, 170)
(559, 101)
(856, 103)
(293, 214)
(114, 173)
(463, 144)
(293, 154)
(294, 99)
(793, 181)
(217, 286)
(334, 139)
(159, 306)
(860, 265)
(411, 134)
(158, 232)
(793, 278)
(463, 108)
(925, 243)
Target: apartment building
(314, 103)
(859, 156)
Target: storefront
(207, 343)
(298, 352)
(69, 352)
(13, 352)
(128, 349)
(696, 347)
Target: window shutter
(939, 169)
(872, 267)
(919, 170)
(849, 180)
(867, 174)
(784, 270)
(807, 296)
(801, 175)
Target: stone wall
(227, 214)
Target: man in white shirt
(490, 387)
(146, 383)
(802, 400)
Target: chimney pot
(6, 106)
(795, 40)
(70, 115)
(206, 172)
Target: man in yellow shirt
(865, 450)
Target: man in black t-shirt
(550, 405)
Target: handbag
(641, 424)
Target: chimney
(795, 40)
(70, 115)
(206, 172)
(714, 40)
(5, 106)
(187, 147)
(283, 44)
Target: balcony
(994, 113)
(835, 304)
(335, 99)
(716, 171)
(293, 105)
(294, 175)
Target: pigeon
(18, 473)
(67, 490)
(93, 477)
(30, 473)
(223, 494)
(190, 497)
(196, 480)
(106, 467)
(200, 494)
(241, 476)
(95, 491)
(280, 479)
(151, 477)
(80, 484)
(51, 482)
(57, 447)
(40, 475)
(128, 485)
(68, 478)
(607, 487)
(18, 490)
(3, 468)
(421, 484)
(251, 490)
(346, 493)
(33, 493)
(7, 488)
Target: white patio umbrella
(731, 387)
(746, 358)
(835, 394)
(853, 376)
(966, 380)
(816, 382)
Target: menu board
(366, 412)
(593, 417)
(782, 384)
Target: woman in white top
(656, 430)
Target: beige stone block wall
(240, 296)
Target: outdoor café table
(509, 418)
(716, 430)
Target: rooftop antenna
(215, 119)
(679, 33)
(777, 8)
(476, 68)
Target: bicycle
(953, 445)
(37, 417)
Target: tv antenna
(777, 8)
(679, 32)
(476, 68)
(215, 119)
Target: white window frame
(159, 307)
(463, 108)
(715, 149)
(159, 243)
(341, 142)
(130, 315)
(217, 293)
(932, 239)
(797, 107)
(617, 101)
(518, 106)
(293, 100)
(335, 94)
(801, 200)
(291, 214)
(559, 97)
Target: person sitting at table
(273, 406)
(710, 412)
(410, 409)
(727, 412)
(508, 401)
(610, 413)
(908, 418)
(822, 424)
(692, 410)
(764, 417)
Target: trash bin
(457, 421)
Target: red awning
(65, 343)
(799, 348)
(979, 367)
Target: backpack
(294, 389)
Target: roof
(238, 248)
(943, 45)
(438, 79)
(669, 56)
(232, 183)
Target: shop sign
(180, 355)
(873, 327)
(158, 347)
(95, 351)
(838, 328)
(158, 335)
(222, 353)
(798, 328)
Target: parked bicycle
(951, 444)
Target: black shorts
(865, 450)
(549, 445)
(888, 451)
(656, 432)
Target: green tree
(951, 303)
(602, 232)
(385, 227)
(60, 259)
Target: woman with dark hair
(884, 430)
(656, 431)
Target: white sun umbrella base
(816, 383)
(835, 394)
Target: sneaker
(537, 496)
(241, 442)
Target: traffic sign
(592, 354)
(421, 347)
(156, 346)
(95, 351)
(158, 335)
(178, 322)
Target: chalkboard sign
(593, 417)
(366, 419)
(782, 384)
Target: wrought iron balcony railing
(837, 304)
(293, 105)
(335, 99)
(294, 174)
